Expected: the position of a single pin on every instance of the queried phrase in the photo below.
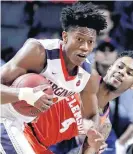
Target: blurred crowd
(40, 19)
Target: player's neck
(104, 95)
(71, 68)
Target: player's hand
(39, 97)
(102, 148)
(96, 141)
(45, 101)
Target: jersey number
(66, 124)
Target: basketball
(29, 80)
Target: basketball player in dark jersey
(118, 79)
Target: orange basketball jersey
(61, 122)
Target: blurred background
(21, 20)
(41, 19)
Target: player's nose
(85, 47)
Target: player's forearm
(89, 151)
(90, 123)
(8, 94)
(96, 120)
(95, 114)
(86, 149)
(105, 129)
(126, 135)
(90, 112)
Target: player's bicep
(31, 57)
(93, 83)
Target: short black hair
(126, 54)
(102, 47)
(83, 15)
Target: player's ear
(64, 36)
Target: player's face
(103, 60)
(79, 42)
(120, 74)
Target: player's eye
(120, 66)
(90, 42)
(80, 39)
(130, 73)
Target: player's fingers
(91, 131)
(47, 102)
(99, 140)
(44, 107)
(100, 135)
(50, 97)
(41, 87)
(41, 105)
(46, 99)
(44, 87)
(101, 151)
(103, 146)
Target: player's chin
(78, 62)
(115, 87)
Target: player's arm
(128, 134)
(89, 110)
(89, 106)
(93, 144)
(31, 57)
(104, 129)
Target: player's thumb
(42, 87)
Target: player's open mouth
(82, 55)
(117, 78)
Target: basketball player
(41, 134)
(63, 63)
(118, 79)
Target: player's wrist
(29, 96)
(87, 124)
(88, 149)
(85, 147)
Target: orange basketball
(29, 80)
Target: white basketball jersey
(55, 71)
(63, 85)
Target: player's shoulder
(86, 66)
(50, 44)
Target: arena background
(40, 19)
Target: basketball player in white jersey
(65, 59)
(118, 79)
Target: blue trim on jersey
(86, 66)
(105, 109)
(53, 54)
(6, 142)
